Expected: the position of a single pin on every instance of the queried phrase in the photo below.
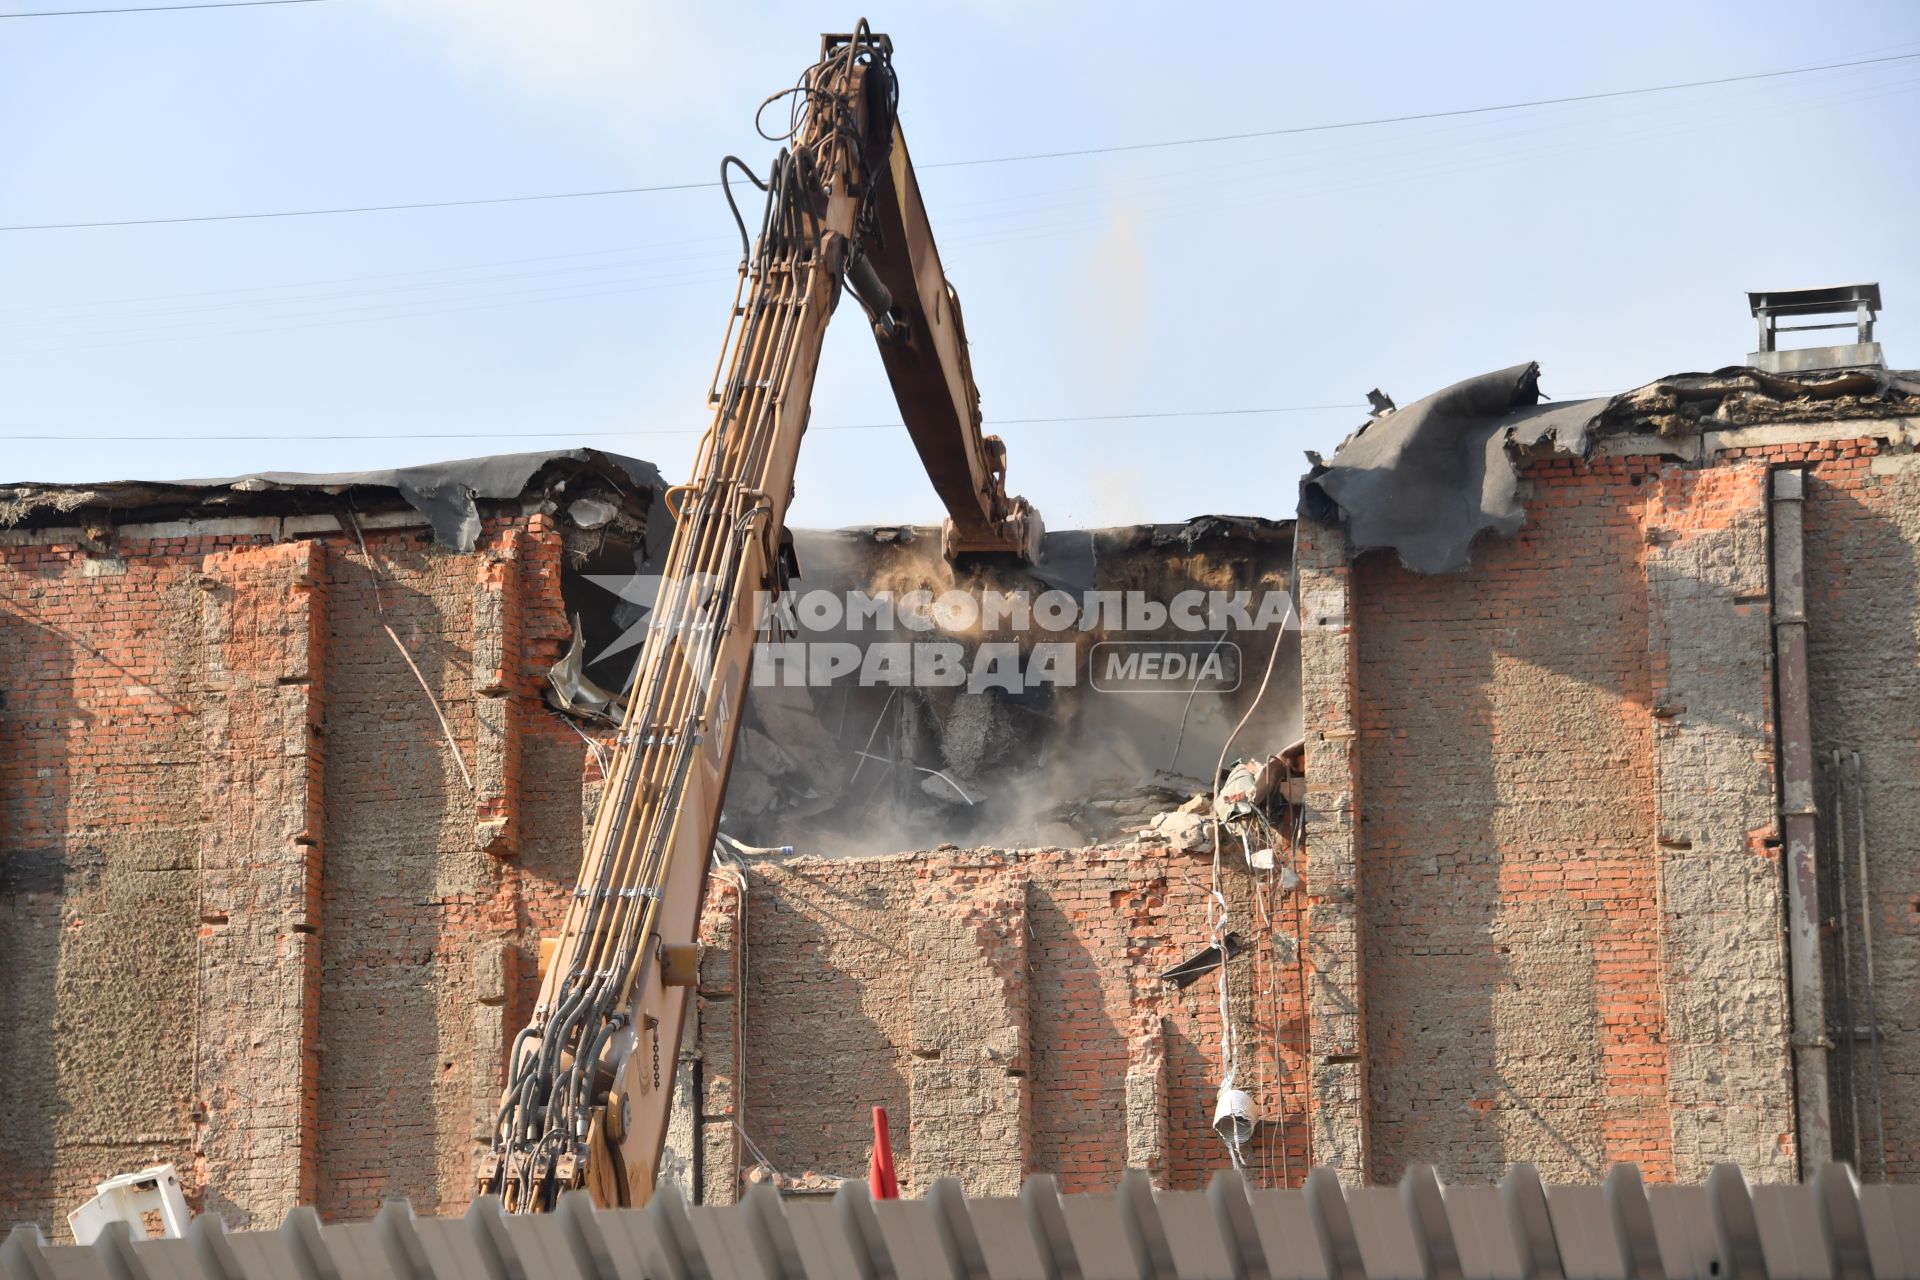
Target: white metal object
(1233, 1116)
(129, 1198)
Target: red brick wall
(1563, 864)
(221, 785)
(1508, 863)
(100, 805)
(429, 932)
(831, 1011)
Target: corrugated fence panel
(1829, 1229)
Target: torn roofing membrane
(444, 492)
(1426, 479)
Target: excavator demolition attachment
(590, 1078)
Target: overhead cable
(153, 8)
(661, 431)
(1250, 135)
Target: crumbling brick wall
(1540, 920)
(254, 922)
(1007, 1009)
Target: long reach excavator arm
(590, 1078)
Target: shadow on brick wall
(1506, 844)
(34, 881)
(98, 829)
(399, 875)
(1863, 589)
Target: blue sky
(1611, 241)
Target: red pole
(881, 1184)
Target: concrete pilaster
(1337, 1106)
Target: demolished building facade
(274, 878)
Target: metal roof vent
(1861, 301)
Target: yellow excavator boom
(590, 1078)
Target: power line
(272, 298)
(1211, 139)
(155, 8)
(364, 208)
(1416, 116)
(668, 431)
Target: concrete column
(1337, 1026)
(257, 980)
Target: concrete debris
(591, 513)
(1042, 756)
(944, 789)
(1248, 786)
(1187, 832)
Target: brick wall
(1541, 916)
(102, 779)
(1507, 867)
(1006, 1007)
(253, 920)
(1863, 607)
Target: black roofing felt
(1427, 479)
(444, 492)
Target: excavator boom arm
(590, 1078)
(924, 347)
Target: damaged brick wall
(1568, 878)
(1541, 908)
(1006, 1007)
(254, 922)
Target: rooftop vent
(1860, 301)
